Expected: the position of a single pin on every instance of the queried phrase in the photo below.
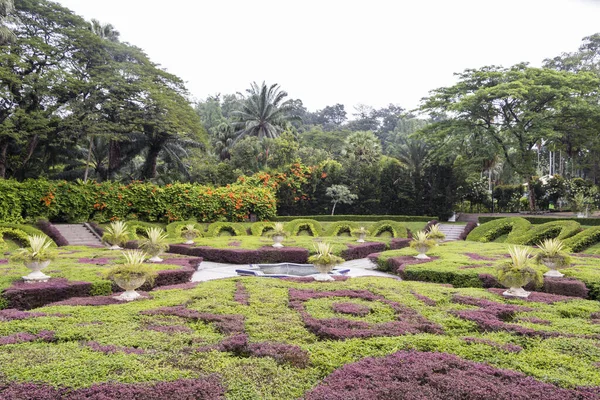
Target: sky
(324, 52)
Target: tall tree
(7, 8)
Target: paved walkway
(210, 270)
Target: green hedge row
(544, 220)
(102, 202)
(492, 230)
(357, 218)
(583, 240)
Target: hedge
(557, 229)
(14, 234)
(102, 202)
(494, 229)
(396, 229)
(244, 256)
(259, 228)
(543, 220)
(174, 228)
(583, 240)
(216, 228)
(339, 227)
(138, 229)
(356, 218)
(297, 225)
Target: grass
(563, 360)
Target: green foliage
(534, 234)
(117, 234)
(39, 250)
(324, 255)
(553, 250)
(304, 224)
(336, 228)
(435, 233)
(396, 229)
(277, 230)
(155, 242)
(132, 268)
(138, 229)
(583, 240)
(517, 272)
(358, 218)
(15, 234)
(215, 229)
(491, 230)
(260, 228)
(174, 228)
(421, 242)
(543, 220)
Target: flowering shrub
(44, 336)
(241, 294)
(433, 376)
(357, 310)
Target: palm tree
(414, 154)
(363, 146)
(105, 31)
(264, 113)
(7, 7)
(224, 140)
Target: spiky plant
(553, 249)
(360, 231)
(435, 233)
(117, 234)
(190, 232)
(517, 272)
(277, 230)
(421, 241)
(324, 255)
(155, 243)
(132, 268)
(39, 250)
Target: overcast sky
(332, 51)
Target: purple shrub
(408, 320)
(434, 376)
(25, 296)
(509, 347)
(97, 261)
(110, 349)
(538, 297)
(96, 228)
(241, 294)
(397, 265)
(424, 299)
(88, 301)
(400, 243)
(357, 310)
(281, 353)
(244, 256)
(310, 279)
(185, 286)
(236, 344)
(362, 250)
(52, 232)
(468, 228)
(224, 323)
(21, 337)
(3, 261)
(534, 320)
(566, 287)
(171, 277)
(488, 281)
(478, 257)
(11, 314)
(169, 329)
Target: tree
(513, 108)
(363, 147)
(340, 194)
(104, 31)
(264, 114)
(7, 7)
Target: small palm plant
(155, 243)
(131, 274)
(422, 244)
(189, 232)
(36, 257)
(117, 234)
(278, 233)
(517, 273)
(360, 234)
(553, 256)
(436, 234)
(324, 261)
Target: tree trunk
(149, 171)
(87, 164)
(333, 209)
(3, 151)
(531, 190)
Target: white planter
(551, 264)
(324, 270)
(155, 259)
(36, 274)
(422, 250)
(580, 215)
(129, 285)
(516, 292)
(189, 242)
(361, 237)
(277, 239)
(115, 247)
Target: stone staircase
(452, 231)
(464, 217)
(79, 235)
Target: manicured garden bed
(246, 338)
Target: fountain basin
(284, 270)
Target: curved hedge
(29, 230)
(259, 228)
(174, 228)
(337, 228)
(138, 228)
(537, 233)
(395, 228)
(14, 234)
(513, 226)
(356, 218)
(216, 228)
(297, 225)
(583, 240)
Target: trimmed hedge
(14, 234)
(468, 229)
(362, 250)
(174, 228)
(54, 234)
(216, 228)
(557, 229)
(138, 229)
(494, 229)
(102, 202)
(259, 228)
(297, 225)
(339, 227)
(583, 240)
(25, 296)
(244, 256)
(544, 220)
(396, 229)
(357, 218)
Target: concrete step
(452, 232)
(78, 235)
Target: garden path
(210, 270)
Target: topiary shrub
(174, 229)
(551, 230)
(338, 228)
(468, 229)
(583, 240)
(138, 228)
(396, 229)
(489, 231)
(260, 228)
(296, 226)
(216, 228)
(49, 229)
(15, 234)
